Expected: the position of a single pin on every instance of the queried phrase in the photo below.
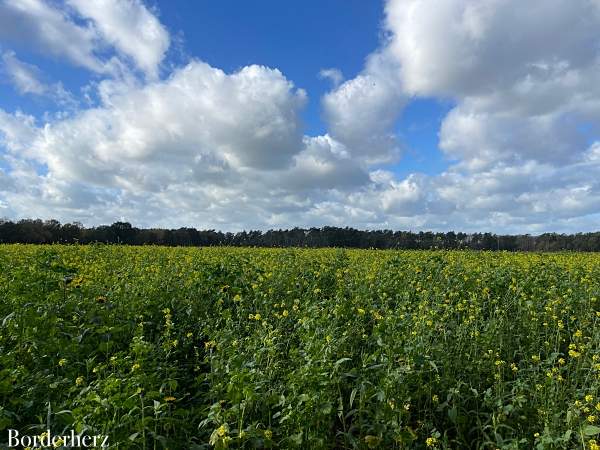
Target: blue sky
(394, 113)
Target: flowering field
(187, 348)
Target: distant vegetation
(241, 348)
(52, 231)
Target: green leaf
(453, 414)
(591, 430)
(352, 396)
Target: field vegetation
(198, 348)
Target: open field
(258, 348)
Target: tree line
(35, 231)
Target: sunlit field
(198, 348)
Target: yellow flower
(170, 398)
(431, 441)
(435, 399)
(79, 381)
(62, 362)
(189, 335)
(593, 445)
(285, 313)
(135, 367)
(589, 398)
(561, 361)
(535, 358)
(268, 434)
(360, 311)
(58, 443)
(222, 430)
(591, 418)
(578, 333)
(514, 367)
(574, 354)
(257, 316)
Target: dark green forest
(35, 231)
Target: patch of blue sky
(418, 129)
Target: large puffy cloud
(197, 123)
(525, 75)
(362, 111)
(217, 148)
(525, 80)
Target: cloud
(334, 75)
(49, 29)
(129, 27)
(361, 112)
(55, 29)
(27, 79)
(24, 76)
(227, 150)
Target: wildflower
(101, 299)
(268, 434)
(535, 358)
(170, 398)
(79, 381)
(285, 313)
(536, 435)
(189, 335)
(360, 311)
(435, 399)
(574, 354)
(591, 418)
(135, 367)
(589, 398)
(257, 316)
(62, 362)
(578, 333)
(593, 445)
(514, 367)
(58, 442)
(431, 441)
(561, 361)
(222, 431)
